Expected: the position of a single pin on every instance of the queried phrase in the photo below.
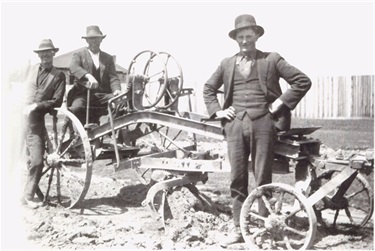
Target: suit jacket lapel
(90, 62)
(51, 75)
(262, 67)
(101, 64)
(229, 81)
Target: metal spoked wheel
(148, 75)
(348, 211)
(174, 83)
(68, 170)
(290, 222)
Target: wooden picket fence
(338, 97)
(346, 97)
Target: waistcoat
(96, 73)
(248, 96)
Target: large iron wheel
(349, 211)
(290, 222)
(68, 170)
(148, 70)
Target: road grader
(340, 195)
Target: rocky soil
(112, 217)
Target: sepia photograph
(187, 125)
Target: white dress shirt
(95, 58)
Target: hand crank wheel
(174, 83)
(148, 69)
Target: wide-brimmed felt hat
(93, 31)
(245, 21)
(45, 45)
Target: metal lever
(87, 108)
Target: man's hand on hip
(228, 114)
(278, 107)
(275, 106)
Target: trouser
(245, 137)
(98, 105)
(35, 147)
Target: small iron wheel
(287, 221)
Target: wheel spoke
(148, 99)
(259, 232)
(155, 74)
(290, 242)
(336, 216)
(293, 213)
(295, 231)
(167, 60)
(348, 214)
(70, 146)
(257, 216)
(279, 203)
(287, 243)
(267, 204)
(355, 193)
(58, 185)
(72, 161)
(48, 168)
(169, 93)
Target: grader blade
(159, 204)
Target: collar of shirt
(244, 58)
(247, 58)
(43, 68)
(95, 58)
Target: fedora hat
(45, 45)
(245, 21)
(93, 31)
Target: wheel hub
(53, 159)
(275, 223)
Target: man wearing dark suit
(45, 91)
(253, 103)
(95, 70)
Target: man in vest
(95, 70)
(45, 91)
(253, 103)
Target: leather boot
(234, 236)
